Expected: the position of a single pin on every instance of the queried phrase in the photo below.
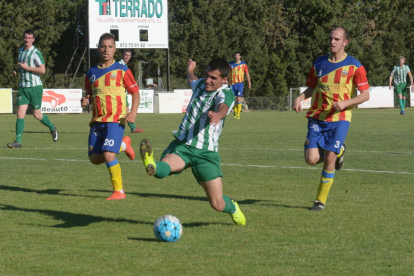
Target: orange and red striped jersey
(107, 90)
(332, 82)
(237, 71)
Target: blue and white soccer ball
(168, 228)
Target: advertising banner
(6, 102)
(134, 23)
(186, 95)
(146, 101)
(379, 97)
(62, 101)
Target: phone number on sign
(136, 45)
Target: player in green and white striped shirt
(400, 81)
(31, 65)
(197, 138)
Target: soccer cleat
(238, 216)
(340, 160)
(54, 133)
(317, 206)
(14, 145)
(116, 195)
(137, 130)
(238, 117)
(402, 112)
(147, 156)
(129, 151)
(235, 116)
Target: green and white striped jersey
(34, 58)
(195, 129)
(400, 74)
(121, 61)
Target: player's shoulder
(350, 60)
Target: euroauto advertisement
(62, 101)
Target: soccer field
(55, 219)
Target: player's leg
(173, 159)
(404, 96)
(36, 103)
(313, 152)
(22, 106)
(206, 169)
(400, 98)
(239, 99)
(222, 203)
(115, 175)
(335, 134)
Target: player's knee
(312, 160)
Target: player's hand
(85, 101)
(23, 65)
(390, 87)
(297, 105)
(15, 72)
(339, 106)
(130, 117)
(214, 118)
(191, 65)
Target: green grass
(55, 219)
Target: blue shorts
(105, 137)
(326, 135)
(237, 89)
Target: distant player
(400, 72)
(126, 56)
(331, 83)
(238, 70)
(31, 65)
(197, 138)
(105, 86)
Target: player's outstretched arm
(190, 71)
(390, 81)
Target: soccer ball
(168, 228)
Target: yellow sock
(325, 185)
(115, 173)
(239, 107)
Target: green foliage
(279, 39)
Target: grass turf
(55, 219)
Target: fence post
(290, 99)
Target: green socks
(162, 169)
(230, 208)
(19, 130)
(45, 120)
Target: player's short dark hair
(219, 64)
(106, 36)
(127, 51)
(235, 53)
(346, 34)
(29, 32)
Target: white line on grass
(235, 149)
(234, 165)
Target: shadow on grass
(70, 219)
(47, 191)
(198, 198)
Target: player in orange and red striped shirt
(105, 86)
(331, 83)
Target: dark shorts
(237, 89)
(31, 96)
(105, 137)
(326, 135)
(204, 164)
